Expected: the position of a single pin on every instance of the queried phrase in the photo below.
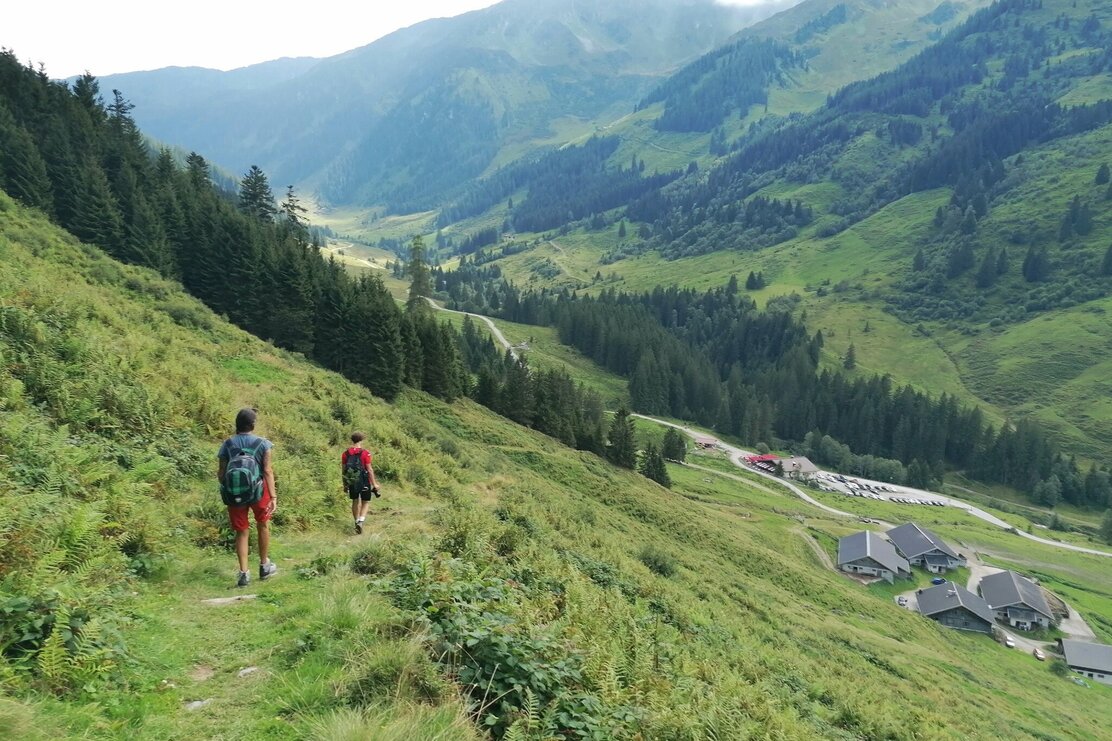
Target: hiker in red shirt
(359, 478)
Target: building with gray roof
(921, 547)
(956, 607)
(1017, 601)
(871, 555)
(1092, 660)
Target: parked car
(1038, 654)
(1009, 641)
(938, 580)
(902, 601)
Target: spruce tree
(652, 466)
(986, 274)
(1102, 174)
(1106, 527)
(622, 450)
(255, 197)
(1106, 264)
(420, 278)
(674, 446)
(23, 172)
(849, 362)
(919, 263)
(293, 216)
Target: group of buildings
(1005, 597)
(869, 554)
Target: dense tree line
(565, 185)
(548, 401)
(84, 164)
(731, 78)
(562, 163)
(836, 16)
(688, 230)
(712, 357)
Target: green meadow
(506, 585)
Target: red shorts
(238, 515)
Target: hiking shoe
(267, 570)
(243, 580)
(358, 527)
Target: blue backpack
(242, 484)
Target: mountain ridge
(338, 125)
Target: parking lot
(855, 487)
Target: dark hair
(358, 437)
(245, 420)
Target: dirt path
(820, 552)
(498, 336)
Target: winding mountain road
(501, 338)
(737, 455)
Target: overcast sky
(110, 36)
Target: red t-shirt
(363, 452)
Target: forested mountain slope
(627, 610)
(405, 119)
(787, 64)
(943, 205)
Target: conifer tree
(986, 274)
(517, 401)
(622, 450)
(1106, 264)
(255, 197)
(850, 360)
(420, 279)
(1102, 174)
(652, 466)
(919, 263)
(23, 171)
(293, 216)
(1106, 527)
(674, 446)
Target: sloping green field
(639, 612)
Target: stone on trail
(247, 671)
(197, 704)
(229, 600)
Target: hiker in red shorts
(246, 475)
(359, 478)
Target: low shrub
(658, 561)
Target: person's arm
(221, 470)
(268, 475)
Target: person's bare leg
(242, 548)
(364, 505)
(264, 541)
(355, 508)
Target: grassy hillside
(538, 577)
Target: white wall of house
(1103, 678)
